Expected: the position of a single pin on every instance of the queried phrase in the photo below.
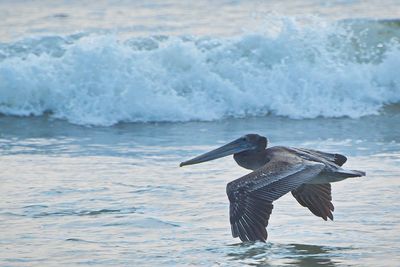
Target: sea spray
(298, 70)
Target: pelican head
(248, 142)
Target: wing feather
(251, 196)
(336, 158)
(317, 198)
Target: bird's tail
(352, 173)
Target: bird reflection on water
(260, 254)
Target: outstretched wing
(336, 158)
(251, 196)
(317, 198)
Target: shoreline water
(277, 126)
(116, 195)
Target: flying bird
(276, 170)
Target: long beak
(236, 146)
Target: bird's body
(276, 171)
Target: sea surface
(101, 100)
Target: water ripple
(84, 212)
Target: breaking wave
(288, 68)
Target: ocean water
(101, 100)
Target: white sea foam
(291, 69)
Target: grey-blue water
(101, 100)
(116, 196)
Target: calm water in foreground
(116, 196)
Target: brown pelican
(276, 171)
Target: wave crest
(294, 70)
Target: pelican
(276, 170)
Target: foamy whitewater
(288, 67)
